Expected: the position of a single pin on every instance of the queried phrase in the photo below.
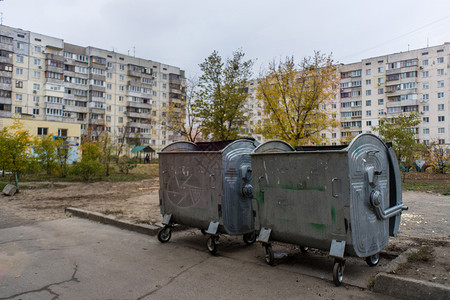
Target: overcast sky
(184, 32)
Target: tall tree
(293, 98)
(180, 117)
(222, 95)
(401, 131)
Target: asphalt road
(79, 259)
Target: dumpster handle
(375, 200)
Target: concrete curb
(101, 218)
(408, 288)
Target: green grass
(438, 187)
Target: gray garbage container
(343, 199)
(207, 186)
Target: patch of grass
(438, 187)
(2, 185)
(422, 255)
(113, 212)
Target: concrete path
(80, 259)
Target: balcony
(53, 105)
(54, 57)
(6, 60)
(98, 111)
(5, 86)
(402, 103)
(131, 114)
(401, 92)
(77, 109)
(138, 104)
(5, 114)
(54, 69)
(4, 100)
(7, 47)
(6, 74)
(97, 88)
(53, 80)
(97, 122)
(54, 118)
(97, 99)
(139, 125)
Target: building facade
(43, 78)
(385, 86)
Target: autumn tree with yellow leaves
(293, 98)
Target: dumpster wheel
(373, 260)
(270, 259)
(164, 234)
(249, 238)
(212, 244)
(338, 271)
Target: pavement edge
(101, 218)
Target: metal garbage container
(207, 186)
(343, 199)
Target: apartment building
(43, 78)
(385, 86)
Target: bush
(88, 169)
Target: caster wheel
(164, 234)
(249, 238)
(304, 249)
(270, 260)
(203, 231)
(373, 260)
(338, 272)
(212, 244)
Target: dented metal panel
(319, 194)
(208, 182)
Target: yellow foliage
(294, 99)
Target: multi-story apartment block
(43, 78)
(385, 86)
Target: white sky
(184, 32)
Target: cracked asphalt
(79, 259)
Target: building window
(120, 108)
(42, 131)
(441, 118)
(121, 88)
(425, 85)
(19, 71)
(440, 107)
(120, 98)
(368, 71)
(441, 141)
(164, 76)
(108, 86)
(426, 142)
(380, 69)
(36, 99)
(120, 120)
(381, 112)
(19, 59)
(62, 132)
(121, 77)
(37, 62)
(368, 92)
(441, 130)
(369, 123)
(426, 119)
(440, 95)
(122, 67)
(18, 110)
(368, 113)
(36, 86)
(35, 111)
(426, 131)
(426, 108)
(19, 84)
(425, 74)
(440, 83)
(368, 102)
(440, 72)
(108, 118)
(380, 101)
(18, 97)
(164, 95)
(380, 91)
(440, 60)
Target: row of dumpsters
(345, 200)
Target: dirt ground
(424, 226)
